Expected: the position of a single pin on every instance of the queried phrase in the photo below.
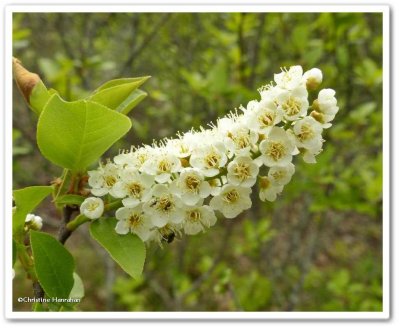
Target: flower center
(194, 216)
(231, 197)
(212, 160)
(134, 220)
(242, 171)
(306, 133)
(165, 204)
(241, 140)
(266, 119)
(276, 150)
(110, 181)
(142, 157)
(93, 206)
(291, 106)
(192, 183)
(135, 189)
(278, 175)
(164, 165)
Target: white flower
(294, 103)
(125, 159)
(162, 166)
(209, 158)
(164, 207)
(197, 218)
(270, 93)
(133, 220)
(180, 147)
(92, 207)
(289, 79)
(263, 117)
(34, 222)
(277, 149)
(133, 186)
(326, 107)
(103, 179)
(312, 78)
(268, 191)
(167, 233)
(240, 140)
(308, 132)
(310, 153)
(281, 175)
(327, 101)
(191, 186)
(232, 200)
(242, 171)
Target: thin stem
(76, 222)
(81, 219)
(64, 177)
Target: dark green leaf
(54, 265)
(127, 250)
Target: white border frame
(207, 7)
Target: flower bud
(315, 105)
(313, 78)
(25, 80)
(92, 208)
(33, 222)
(317, 116)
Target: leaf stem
(76, 222)
(81, 219)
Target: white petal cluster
(92, 207)
(178, 186)
(33, 222)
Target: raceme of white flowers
(178, 185)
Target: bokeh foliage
(319, 247)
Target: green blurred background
(318, 247)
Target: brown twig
(64, 233)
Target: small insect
(169, 237)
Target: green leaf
(39, 97)
(115, 92)
(26, 200)
(54, 265)
(70, 199)
(38, 307)
(78, 290)
(131, 101)
(75, 134)
(14, 252)
(135, 82)
(127, 250)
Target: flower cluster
(176, 186)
